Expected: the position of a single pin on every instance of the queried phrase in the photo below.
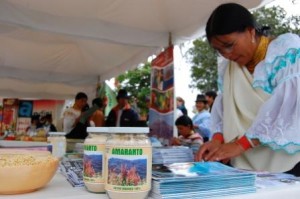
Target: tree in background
(204, 65)
(137, 84)
(204, 59)
(276, 18)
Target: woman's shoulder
(282, 45)
(287, 39)
(98, 112)
(279, 63)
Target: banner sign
(161, 113)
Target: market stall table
(59, 188)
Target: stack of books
(168, 155)
(199, 180)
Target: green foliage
(137, 83)
(204, 65)
(275, 18)
(204, 59)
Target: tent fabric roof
(55, 48)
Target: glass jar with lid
(128, 163)
(93, 159)
(58, 142)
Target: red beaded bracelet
(219, 137)
(244, 143)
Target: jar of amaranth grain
(128, 163)
(94, 159)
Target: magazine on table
(182, 171)
(72, 170)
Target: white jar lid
(97, 129)
(57, 133)
(129, 129)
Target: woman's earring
(253, 40)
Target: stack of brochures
(168, 155)
(72, 170)
(199, 180)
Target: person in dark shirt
(48, 125)
(122, 114)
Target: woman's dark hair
(212, 94)
(184, 120)
(97, 101)
(228, 18)
(35, 117)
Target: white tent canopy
(55, 48)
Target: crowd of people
(80, 115)
(194, 131)
(40, 121)
(125, 114)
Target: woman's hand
(207, 150)
(175, 142)
(225, 152)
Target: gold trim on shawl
(259, 54)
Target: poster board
(161, 113)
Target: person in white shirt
(72, 114)
(201, 120)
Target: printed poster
(9, 114)
(161, 113)
(41, 107)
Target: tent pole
(98, 86)
(170, 39)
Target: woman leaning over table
(256, 118)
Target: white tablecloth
(59, 188)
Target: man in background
(122, 114)
(71, 115)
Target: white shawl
(241, 103)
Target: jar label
(128, 169)
(93, 163)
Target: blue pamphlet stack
(168, 155)
(199, 180)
